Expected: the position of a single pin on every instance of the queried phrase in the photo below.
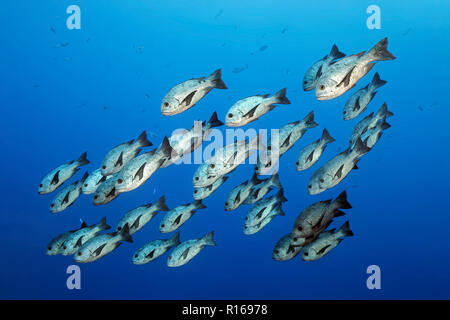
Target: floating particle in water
(105, 107)
(263, 48)
(284, 30)
(218, 14)
(240, 69)
(288, 71)
(53, 30)
(223, 44)
(88, 39)
(62, 45)
(154, 191)
(406, 31)
(420, 108)
(36, 85)
(147, 96)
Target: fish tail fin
(335, 53)
(214, 121)
(383, 112)
(326, 138)
(199, 205)
(377, 82)
(142, 140)
(360, 148)
(216, 79)
(345, 230)
(161, 204)
(280, 196)
(82, 160)
(175, 240)
(275, 181)
(279, 210)
(384, 125)
(308, 121)
(379, 52)
(280, 97)
(208, 239)
(125, 233)
(341, 201)
(254, 180)
(102, 224)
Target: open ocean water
(65, 91)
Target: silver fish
(176, 217)
(61, 174)
(260, 190)
(250, 109)
(154, 249)
(284, 251)
(342, 75)
(186, 94)
(93, 181)
(55, 245)
(67, 196)
(138, 217)
(336, 169)
(204, 192)
(316, 218)
(106, 192)
(263, 208)
(312, 152)
(314, 72)
(81, 236)
(101, 245)
(275, 211)
(119, 156)
(358, 102)
(326, 242)
(187, 250)
(371, 137)
(240, 193)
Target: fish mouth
(232, 124)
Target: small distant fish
(93, 181)
(147, 96)
(119, 156)
(81, 236)
(358, 102)
(67, 196)
(101, 245)
(36, 85)
(284, 251)
(406, 32)
(179, 215)
(106, 192)
(420, 108)
(186, 94)
(154, 249)
(326, 242)
(240, 193)
(249, 109)
(284, 30)
(55, 245)
(140, 216)
(240, 69)
(62, 45)
(275, 211)
(371, 136)
(263, 208)
(218, 14)
(260, 190)
(53, 30)
(314, 72)
(312, 152)
(61, 174)
(204, 192)
(187, 250)
(263, 48)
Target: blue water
(57, 102)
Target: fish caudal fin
(345, 230)
(208, 239)
(280, 196)
(385, 125)
(275, 181)
(167, 149)
(142, 140)
(82, 160)
(360, 148)
(199, 205)
(280, 97)
(308, 121)
(377, 82)
(326, 138)
(254, 180)
(102, 224)
(125, 234)
(175, 240)
(161, 204)
(214, 121)
(216, 80)
(383, 112)
(341, 201)
(379, 52)
(335, 53)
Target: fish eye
(226, 203)
(295, 239)
(297, 163)
(299, 228)
(40, 186)
(166, 104)
(103, 167)
(135, 255)
(162, 225)
(310, 186)
(85, 184)
(49, 248)
(52, 205)
(95, 197)
(257, 168)
(321, 180)
(246, 218)
(276, 251)
(305, 253)
(195, 191)
(170, 257)
(322, 87)
(230, 115)
(196, 178)
(345, 112)
(79, 253)
(120, 181)
(119, 228)
(245, 227)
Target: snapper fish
(140, 216)
(314, 72)
(312, 152)
(101, 245)
(55, 245)
(154, 249)
(250, 109)
(120, 155)
(240, 193)
(284, 251)
(337, 168)
(106, 192)
(67, 196)
(343, 75)
(204, 192)
(93, 181)
(81, 236)
(358, 102)
(61, 174)
(326, 242)
(263, 208)
(176, 217)
(260, 190)
(187, 250)
(316, 218)
(186, 94)
(184, 142)
(141, 168)
(275, 211)
(371, 136)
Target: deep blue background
(53, 101)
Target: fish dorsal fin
(357, 105)
(55, 179)
(112, 193)
(256, 193)
(238, 197)
(311, 156)
(290, 249)
(136, 223)
(321, 251)
(251, 113)
(318, 224)
(178, 219)
(98, 251)
(346, 80)
(185, 254)
(83, 225)
(188, 99)
(338, 173)
(79, 242)
(286, 142)
(140, 172)
(119, 161)
(150, 254)
(66, 198)
(103, 179)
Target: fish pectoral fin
(151, 254)
(321, 251)
(79, 242)
(178, 219)
(66, 198)
(238, 197)
(194, 142)
(259, 214)
(136, 223)
(286, 142)
(112, 193)
(98, 251)
(230, 161)
(140, 172)
(338, 173)
(311, 156)
(357, 105)
(119, 161)
(290, 249)
(55, 178)
(185, 254)
(319, 72)
(346, 80)
(187, 101)
(103, 179)
(251, 113)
